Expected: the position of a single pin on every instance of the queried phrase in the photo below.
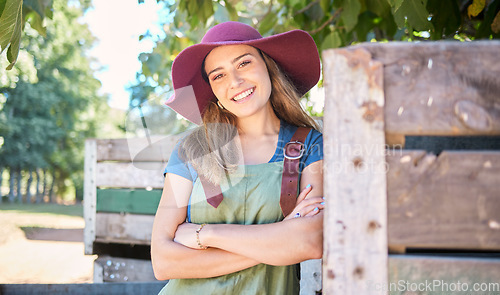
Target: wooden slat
(130, 175)
(439, 88)
(128, 201)
(83, 289)
(89, 195)
(156, 148)
(428, 275)
(355, 225)
(124, 228)
(118, 269)
(451, 201)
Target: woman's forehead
(228, 53)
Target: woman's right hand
(306, 206)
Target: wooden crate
(123, 182)
(439, 215)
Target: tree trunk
(52, 186)
(44, 188)
(18, 182)
(28, 186)
(1, 181)
(38, 193)
(11, 185)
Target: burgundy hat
(294, 51)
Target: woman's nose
(236, 79)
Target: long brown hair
(211, 148)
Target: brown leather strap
(213, 193)
(290, 179)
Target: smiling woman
(227, 220)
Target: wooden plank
(440, 88)
(124, 228)
(141, 149)
(428, 275)
(450, 201)
(89, 195)
(117, 269)
(310, 277)
(355, 225)
(128, 201)
(83, 289)
(130, 175)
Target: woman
(227, 220)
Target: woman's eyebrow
(233, 61)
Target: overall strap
(293, 151)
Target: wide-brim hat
(294, 51)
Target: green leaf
(446, 18)
(37, 5)
(332, 40)
(35, 21)
(325, 5)
(233, 14)
(350, 14)
(412, 13)
(10, 30)
(267, 23)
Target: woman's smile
(244, 95)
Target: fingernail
(308, 186)
(316, 209)
(322, 203)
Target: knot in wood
(372, 112)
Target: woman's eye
(216, 77)
(244, 64)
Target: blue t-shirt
(313, 152)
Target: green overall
(251, 196)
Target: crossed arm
(232, 247)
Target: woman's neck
(264, 123)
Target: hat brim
(294, 51)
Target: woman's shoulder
(289, 130)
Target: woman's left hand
(186, 235)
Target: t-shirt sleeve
(177, 166)
(314, 148)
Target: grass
(44, 208)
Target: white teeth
(243, 94)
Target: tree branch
(306, 8)
(326, 22)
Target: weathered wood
(124, 228)
(83, 289)
(355, 243)
(89, 195)
(130, 175)
(428, 275)
(154, 149)
(450, 201)
(128, 201)
(117, 269)
(310, 277)
(439, 88)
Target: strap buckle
(293, 150)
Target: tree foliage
(331, 23)
(49, 100)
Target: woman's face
(239, 79)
